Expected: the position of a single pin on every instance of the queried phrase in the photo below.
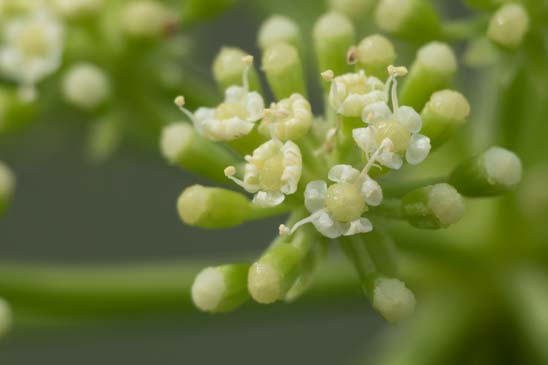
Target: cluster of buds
(328, 172)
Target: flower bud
(355, 9)
(509, 25)
(433, 207)
(228, 68)
(181, 145)
(205, 207)
(221, 288)
(283, 69)
(443, 114)
(86, 86)
(494, 172)
(279, 29)
(274, 274)
(5, 317)
(432, 70)
(146, 19)
(390, 297)
(7, 187)
(333, 35)
(374, 54)
(411, 19)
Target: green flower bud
(86, 86)
(390, 297)
(433, 207)
(374, 54)
(411, 19)
(333, 36)
(146, 19)
(432, 70)
(283, 69)
(221, 288)
(213, 207)
(5, 317)
(275, 273)
(228, 68)
(509, 25)
(279, 29)
(181, 145)
(443, 114)
(7, 187)
(355, 9)
(494, 172)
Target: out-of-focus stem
(81, 293)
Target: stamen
(284, 230)
(386, 143)
(352, 55)
(328, 75)
(180, 102)
(394, 72)
(248, 60)
(230, 171)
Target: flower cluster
(284, 156)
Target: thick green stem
(78, 294)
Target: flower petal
(391, 160)
(365, 139)
(267, 199)
(328, 226)
(343, 173)
(254, 105)
(372, 192)
(418, 150)
(314, 195)
(361, 225)
(375, 112)
(409, 118)
(293, 167)
(234, 94)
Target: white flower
(233, 118)
(352, 92)
(32, 48)
(337, 210)
(289, 119)
(391, 134)
(273, 171)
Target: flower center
(359, 87)
(345, 202)
(395, 131)
(270, 173)
(33, 42)
(231, 110)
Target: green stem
(82, 293)
(398, 188)
(390, 208)
(464, 29)
(261, 213)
